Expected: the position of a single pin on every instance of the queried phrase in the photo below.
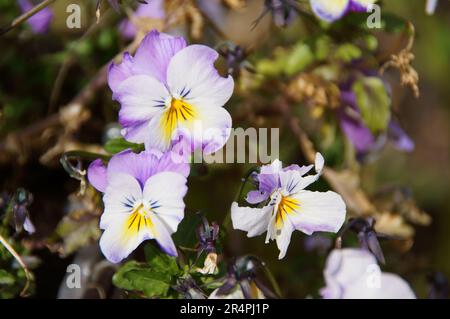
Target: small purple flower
(289, 206)
(40, 22)
(354, 274)
(170, 90)
(332, 10)
(359, 134)
(143, 197)
(153, 9)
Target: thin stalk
(16, 256)
(25, 16)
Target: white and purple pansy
(143, 199)
(332, 10)
(353, 273)
(169, 90)
(287, 206)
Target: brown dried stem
(25, 16)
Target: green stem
(272, 281)
(227, 220)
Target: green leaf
(6, 279)
(185, 235)
(347, 52)
(298, 59)
(117, 145)
(139, 277)
(159, 261)
(374, 103)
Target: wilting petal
(97, 175)
(358, 134)
(284, 238)
(330, 10)
(252, 220)
(319, 211)
(399, 138)
(154, 54)
(191, 75)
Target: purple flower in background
(153, 9)
(354, 274)
(143, 198)
(40, 22)
(332, 10)
(290, 207)
(360, 135)
(168, 91)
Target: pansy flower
(288, 206)
(169, 90)
(143, 199)
(332, 10)
(352, 273)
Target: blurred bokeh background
(41, 73)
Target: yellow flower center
(178, 112)
(287, 206)
(137, 220)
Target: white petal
(163, 233)
(120, 197)
(191, 74)
(292, 181)
(252, 220)
(283, 238)
(210, 131)
(166, 191)
(319, 211)
(319, 163)
(116, 243)
(352, 273)
(141, 98)
(386, 286)
(156, 138)
(330, 10)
